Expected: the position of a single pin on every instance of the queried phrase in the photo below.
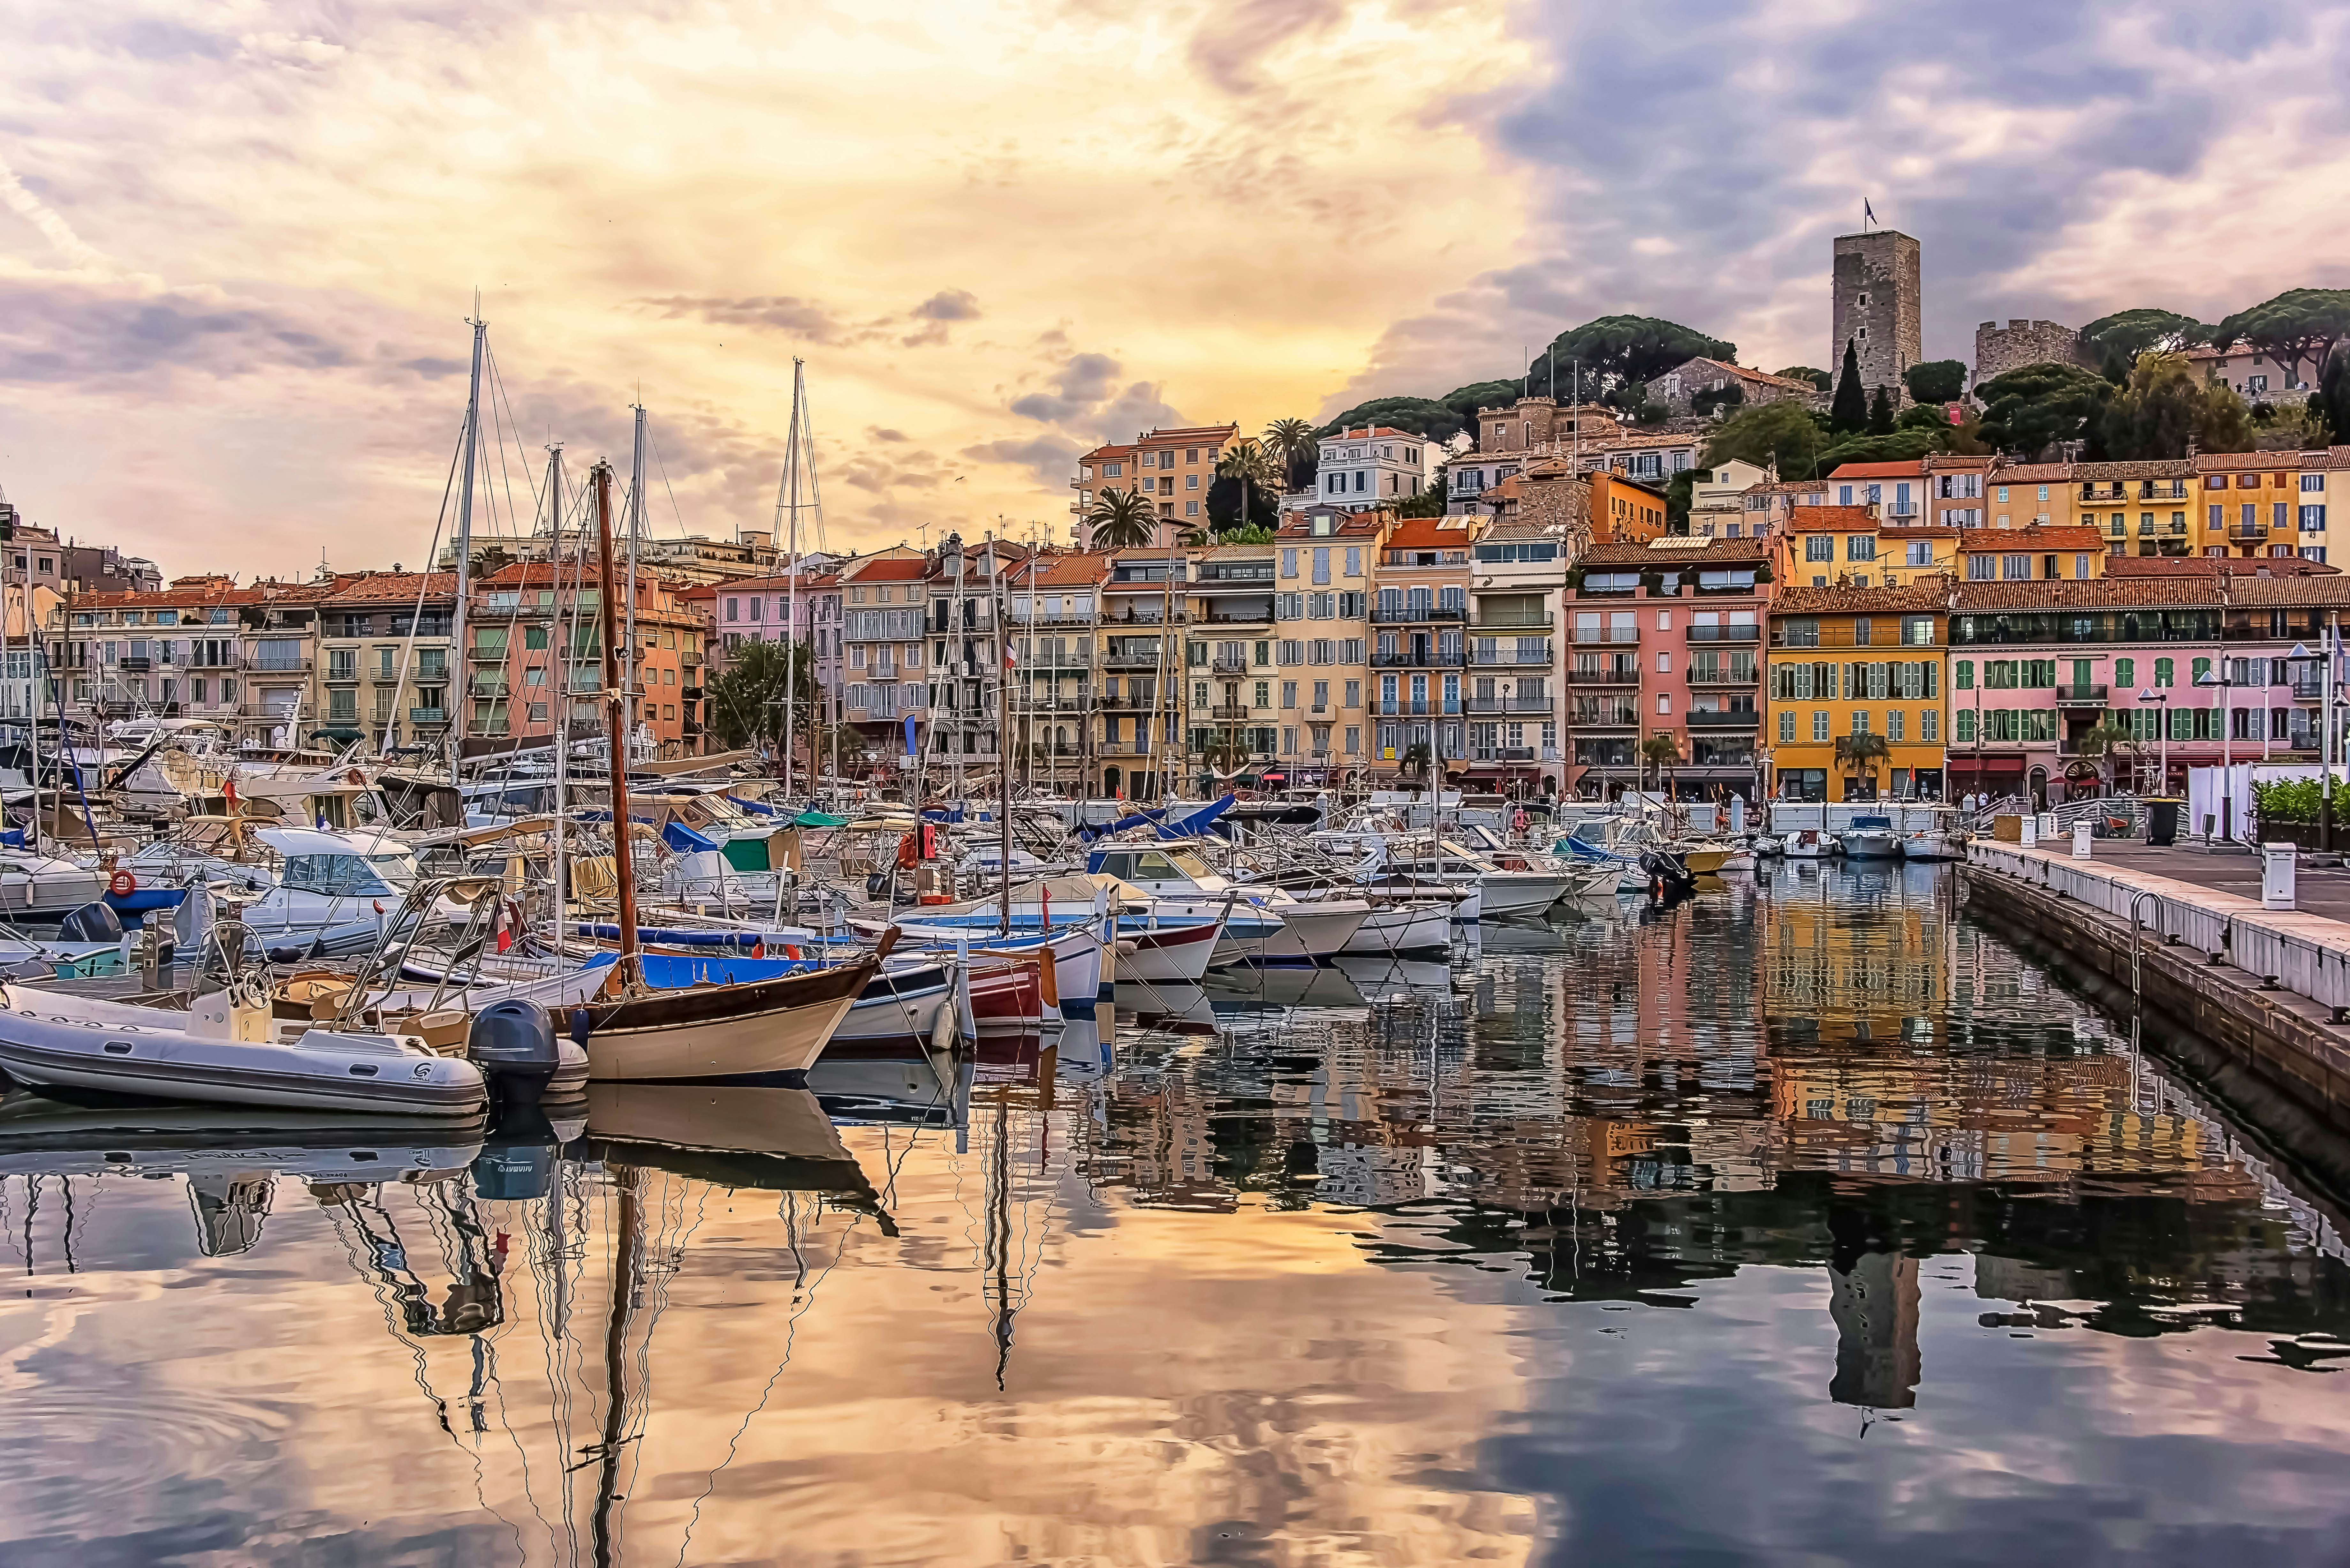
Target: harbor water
(1805, 1220)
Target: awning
(334, 734)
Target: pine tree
(1880, 413)
(1848, 414)
(2334, 391)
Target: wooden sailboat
(703, 1032)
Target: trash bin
(2162, 823)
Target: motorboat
(43, 890)
(227, 1046)
(1415, 866)
(1870, 839)
(1806, 844)
(1178, 881)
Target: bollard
(2080, 841)
(2047, 824)
(2277, 865)
(2030, 836)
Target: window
(2313, 518)
(2162, 676)
(1819, 548)
(1190, 509)
(1819, 724)
(1786, 725)
(1929, 725)
(1981, 568)
(2015, 568)
(1190, 481)
(1896, 724)
(1920, 554)
(1963, 725)
(1860, 547)
(1289, 562)
(733, 607)
(1355, 563)
(1289, 693)
(1664, 704)
(2124, 671)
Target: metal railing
(1746, 631)
(1715, 675)
(2081, 696)
(1597, 634)
(1509, 704)
(1615, 675)
(1510, 656)
(1717, 719)
(1515, 620)
(1415, 615)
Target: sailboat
(635, 1032)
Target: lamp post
(2218, 677)
(2160, 703)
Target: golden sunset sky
(239, 240)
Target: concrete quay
(2266, 989)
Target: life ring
(122, 884)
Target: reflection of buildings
(1874, 1300)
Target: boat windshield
(1191, 863)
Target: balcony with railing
(1509, 704)
(2116, 490)
(1230, 664)
(1616, 716)
(1599, 634)
(1724, 674)
(1418, 613)
(277, 664)
(1723, 718)
(1231, 711)
(2162, 490)
(1044, 615)
(428, 715)
(1622, 674)
(1131, 659)
(1230, 577)
(1515, 620)
(1413, 707)
(1236, 612)
(2081, 696)
(2242, 533)
(1738, 631)
(1427, 655)
(1510, 655)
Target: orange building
(535, 650)
(1625, 511)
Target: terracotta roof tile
(1430, 533)
(2208, 566)
(2093, 593)
(1989, 541)
(889, 569)
(1910, 469)
(2031, 473)
(2153, 468)
(397, 587)
(1678, 556)
(2247, 461)
(1841, 520)
(1928, 594)
(2331, 592)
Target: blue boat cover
(683, 839)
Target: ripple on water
(107, 1443)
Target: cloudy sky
(239, 238)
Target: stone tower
(1877, 308)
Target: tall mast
(958, 611)
(636, 526)
(465, 499)
(562, 707)
(789, 502)
(616, 715)
(998, 604)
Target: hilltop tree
(2299, 326)
(1880, 412)
(2032, 407)
(2165, 404)
(2114, 342)
(1422, 417)
(1622, 352)
(1937, 380)
(2332, 394)
(1784, 433)
(1848, 415)
(1466, 401)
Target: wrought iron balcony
(2081, 696)
(1732, 719)
(1747, 631)
(1596, 634)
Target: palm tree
(1860, 754)
(1195, 538)
(1122, 520)
(1660, 752)
(2101, 744)
(1246, 462)
(1290, 440)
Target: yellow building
(2031, 555)
(2140, 508)
(1827, 546)
(2250, 503)
(1855, 661)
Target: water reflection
(1801, 1219)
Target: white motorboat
(1807, 843)
(1870, 839)
(41, 889)
(1268, 925)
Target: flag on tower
(1867, 212)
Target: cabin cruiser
(1585, 881)
(313, 889)
(1870, 839)
(1408, 866)
(43, 890)
(1179, 881)
(1940, 839)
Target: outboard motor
(1668, 874)
(90, 923)
(514, 1046)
